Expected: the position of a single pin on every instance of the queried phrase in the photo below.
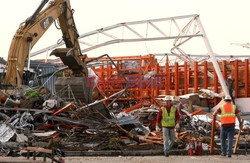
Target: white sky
(225, 21)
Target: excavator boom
(33, 29)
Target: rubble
(70, 126)
(36, 118)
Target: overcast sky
(225, 21)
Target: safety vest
(228, 113)
(168, 119)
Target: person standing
(228, 112)
(168, 117)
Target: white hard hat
(228, 98)
(168, 98)
(115, 104)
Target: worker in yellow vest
(228, 112)
(168, 117)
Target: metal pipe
(212, 135)
(238, 138)
(40, 7)
(28, 66)
(212, 58)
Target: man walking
(228, 112)
(168, 117)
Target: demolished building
(110, 103)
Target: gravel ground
(145, 159)
(159, 159)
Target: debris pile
(36, 118)
(31, 117)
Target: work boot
(223, 154)
(166, 155)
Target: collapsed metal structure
(181, 29)
(142, 78)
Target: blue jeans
(168, 139)
(227, 132)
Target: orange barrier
(196, 112)
(134, 107)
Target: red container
(198, 150)
(191, 148)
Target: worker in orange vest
(228, 112)
(168, 117)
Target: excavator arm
(33, 29)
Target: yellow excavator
(33, 29)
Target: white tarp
(6, 133)
(243, 104)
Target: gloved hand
(157, 128)
(241, 125)
(177, 126)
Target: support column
(167, 78)
(205, 75)
(140, 81)
(101, 72)
(102, 78)
(246, 71)
(236, 79)
(196, 76)
(109, 72)
(157, 80)
(215, 87)
(119, 67)
(224, 71)
(176, 79)
(185, 78)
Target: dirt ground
(145, 159)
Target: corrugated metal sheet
(2, 68)
(46, 70)
(2, 61)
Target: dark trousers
(227, 132)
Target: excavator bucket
(68, 57)
(76, 85)
(78, 89)
(74, 89)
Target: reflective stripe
(228, 114)
(168, 119)
(223, 113)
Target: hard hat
(168, 98)
(115, 104)
(227, 98)
(230, 77)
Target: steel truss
(181, 29)
(247, 45)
